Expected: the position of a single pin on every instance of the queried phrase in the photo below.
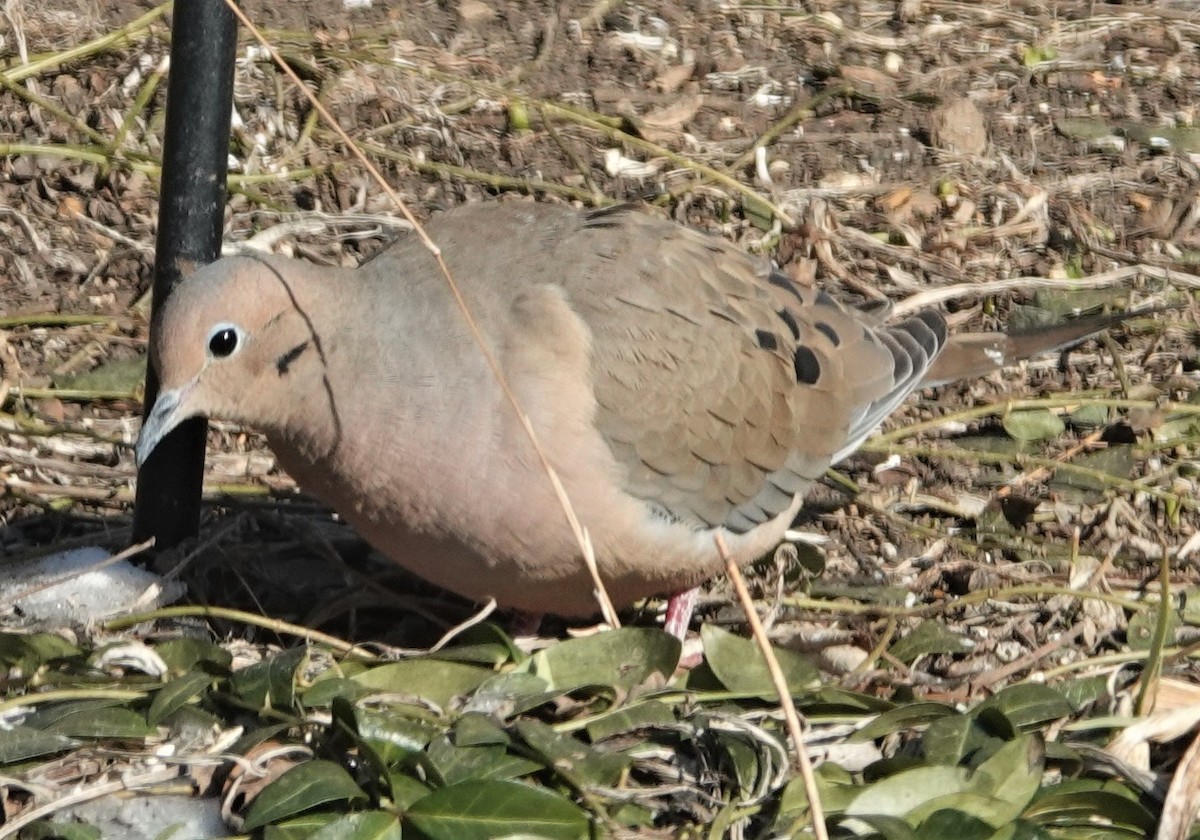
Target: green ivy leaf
(305, 786)
(482, 810)
(176, 694)
(624, 658)
(739, 665)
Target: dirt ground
(932, 148)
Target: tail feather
(971, 355)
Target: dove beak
(169, 410)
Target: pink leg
(679, 612)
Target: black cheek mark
(285, 361)
(790, 319)
(824, 299)
(767, 340)
(829, 331)
(808, 369)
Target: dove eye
(224, 340)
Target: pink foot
(679, 613)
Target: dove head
(228, 344)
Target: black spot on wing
(780, 281)
(808, 368)
(767, 340)
(788, 318)
(829, 331)
(285, 361)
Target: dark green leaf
(1025, 830)
(23, 742)
(405, 790)
(493, 809)
(698, 679)
(185, 653)
(305, 786)
(297, 828)
(192, 719)
(633, 815)
(625, 658)
(830, 699)
(1183, 140)
(271, 683)
(48, 830)
(1117, 461)
(394, 737)
(1176, 429)
(1084, 690)
(902, 793)
(741, 757)
(433, 680)
(176, 694)
(1085, 808)
(1064, 757)
(1011, 774)
(103, 723)
(1028, 705)
(889, 828)
(114, 375)
(367, 825)
(1089, 416)
(485, 644)
(957, 824)
(1139, 633)
(954, 738)
(45, 716)
(1036, 424)
(32, 650)
(510, 693)
(574, 759)
(652, 714)
(474, 729)
(929, 637)
(837, 788)
(901, 718)
(739, 664)
(975, 798)
(322, 692)
(492, 761)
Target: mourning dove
(679, 387)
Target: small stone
(473, 12)
(958, 127)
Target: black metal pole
(190, 219)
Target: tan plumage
(676, 384)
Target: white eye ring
(224, 340)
